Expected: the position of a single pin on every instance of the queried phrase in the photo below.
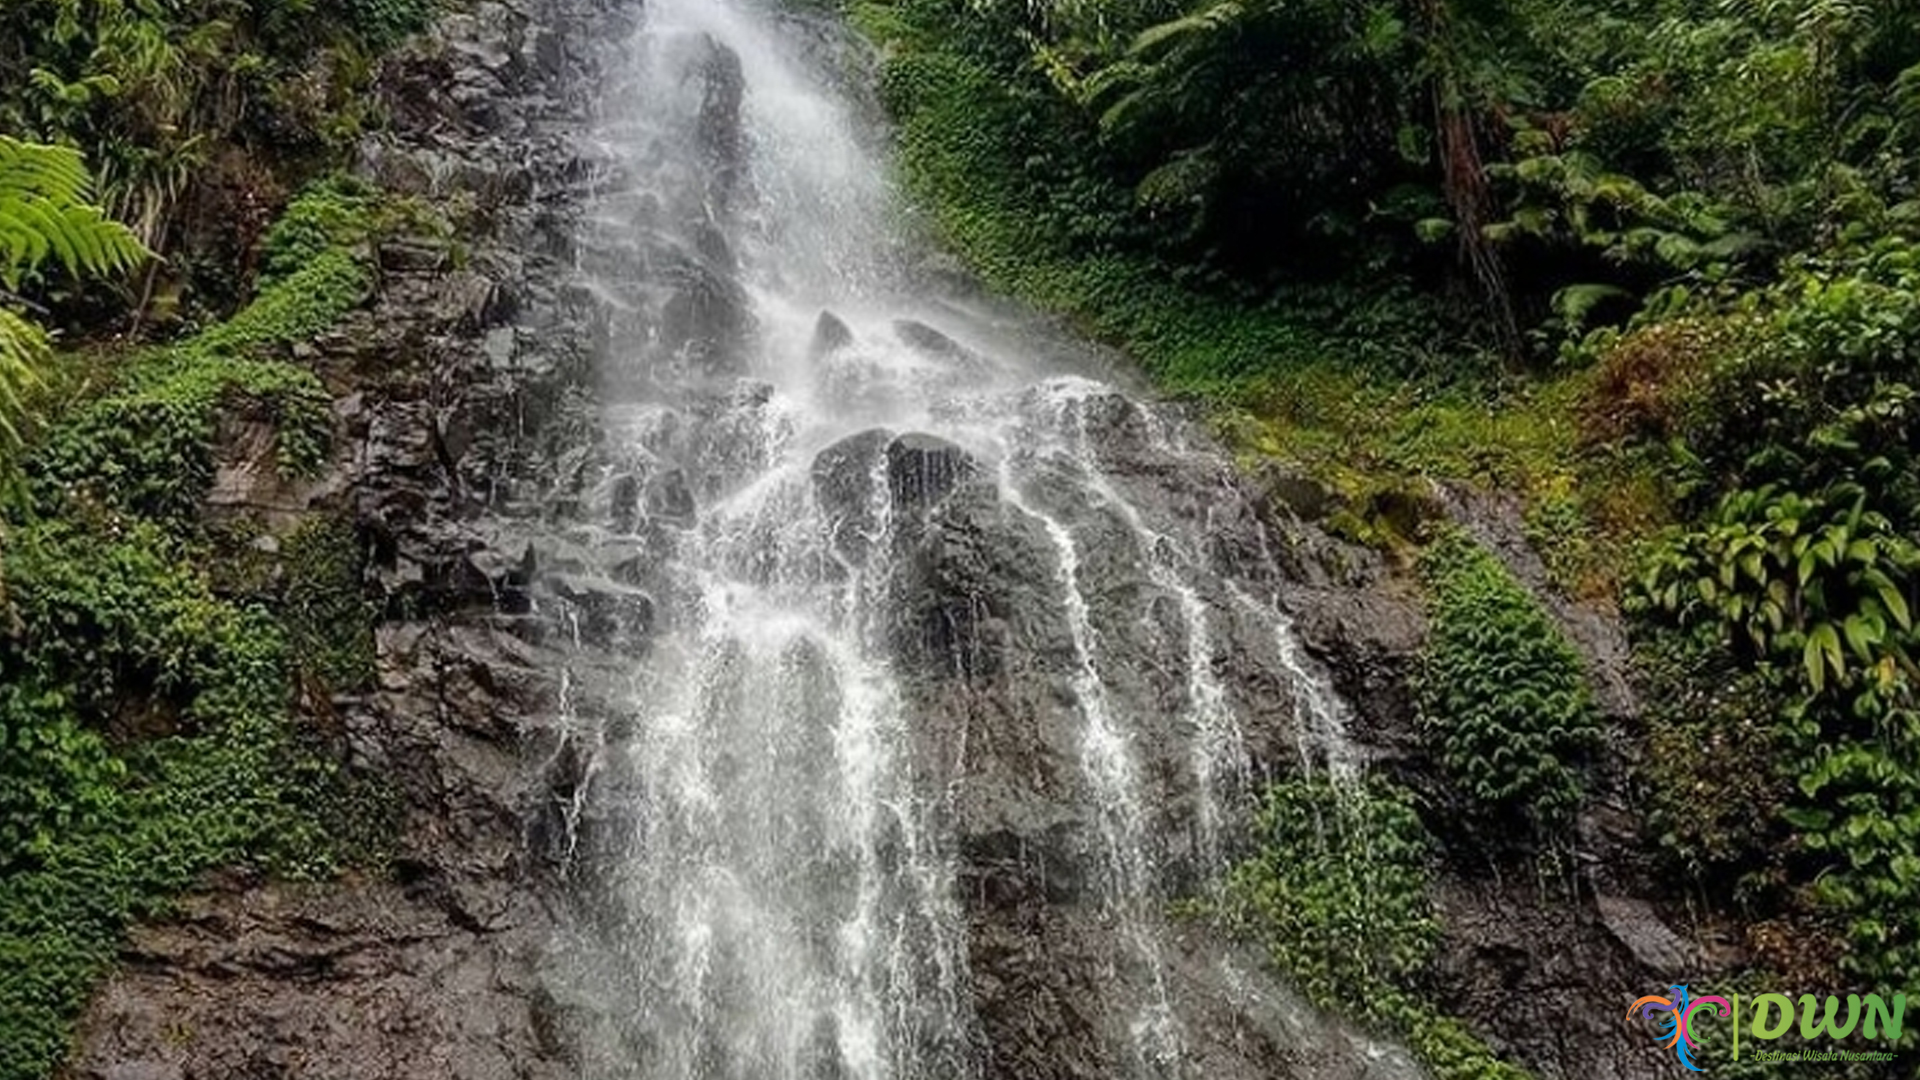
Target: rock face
(455, 392)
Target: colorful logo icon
(1674, 1014)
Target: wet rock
(625, 503)
(706, 320)
(923, 469)
(843, 485)
(1636, 925)
(722, 140)
(364, 984)
(604, 613)
(1297, 494)
(935, 345)
(670, 498)
(830, 334)
(713, 248)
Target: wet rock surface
(455, 389)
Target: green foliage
(1820, 392)
(117, 631)
(24, 350)
(1716, 775)
(58, 776)
(336, 212)
(146, 445)
(382, 22)
(46, 213)
(145, 710)
(150, 89)
(323, 602)
(1502, 689)
(1336, 894)
(198, 117)
(1798, 578)
(1017, 183)
(1799, 449)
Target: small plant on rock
(1502, 690)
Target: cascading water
(931, 621)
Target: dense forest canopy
(1549, 154)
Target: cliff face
(446, 386)
(470, 457)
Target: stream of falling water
(784, 891)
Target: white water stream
(786, 892)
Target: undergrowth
(147, 689)
(1336, 894)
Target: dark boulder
(923, 469)
(830, 334)
(843, 481)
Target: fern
(23, 349)
(1158, 39)
(46, 213)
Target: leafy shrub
(1717, 776)
(1820, 580)
(1336, 894)
(1823, 392)
(380, 23)
(99, 835)
(335, 216)
(55, 776)
(1502, 689)
(1802, 563)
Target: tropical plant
(1336, 892)
(46, 215)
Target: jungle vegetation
(1653, 266)
(168, 230)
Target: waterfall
(914, 579)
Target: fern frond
(46, 211)
(24, 350)
(1158, 39)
